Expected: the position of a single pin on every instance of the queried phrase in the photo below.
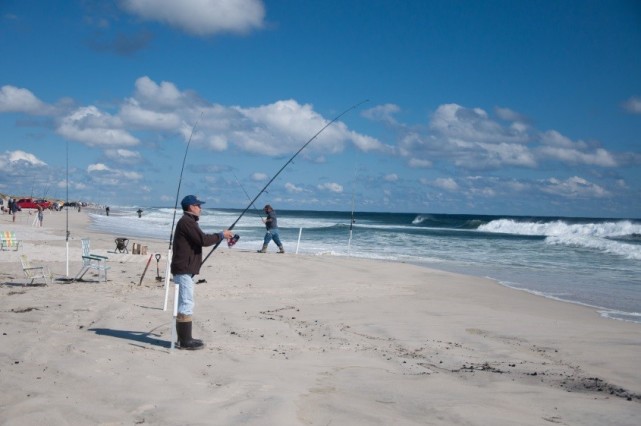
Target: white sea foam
(588, 235)
(559, 228)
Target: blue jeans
(272, 233)
(185, 293)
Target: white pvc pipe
(300, 231)
(173, 322)
(167, 271)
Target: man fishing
(189, 241)
(271, 223)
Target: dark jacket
(271, 222)
(189, 241)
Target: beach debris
(145, 271)
(23, 310)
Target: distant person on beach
(107, 210)
(41, 216)
(189, 241)
(271, 223)
(139, 212)
(13, 208)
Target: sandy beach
(297, 340)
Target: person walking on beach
(139, 211)
(189, 241)
(14, 208)
(271, 223)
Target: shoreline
(296, 339)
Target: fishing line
(248, 197)
(283, 168)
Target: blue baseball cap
(190, 200)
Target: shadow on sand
(136, 336)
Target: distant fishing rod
(248, 197)
(283, 168)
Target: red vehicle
(30, 203)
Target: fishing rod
(173, 221)
(182, 169)
(283, 168)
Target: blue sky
(487, 107)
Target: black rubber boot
(185, 341)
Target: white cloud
(11, 158)
(293, 189)
(131, 175)
(259, 177)
(633, 105)
(98, 167)
(392, 177)
(274, 129)
(15, 99)
(574, 187)
(600, 157)
(468, 138)
(201, 17)
(102, 174)
(382, 113)
(163, 95)
(561, 148)
(510, 115)
(367, 143)
(331, 186)
(95, 128)
(446, 183)
(123, 155)
(554, 138)
(284, 126)
(471, 125)
(132, 114)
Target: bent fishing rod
(283, 168)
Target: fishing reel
(233, 240)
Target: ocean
(593, 262)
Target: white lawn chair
(91, 261)
(34, 272)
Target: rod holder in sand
(167, 271)
(173, 322)
(300, 232)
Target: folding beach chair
(121, 245)
(8, 240)
(91, 261)
(34, 272)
